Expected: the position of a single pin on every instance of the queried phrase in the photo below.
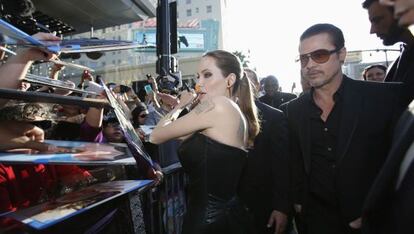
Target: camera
(124, 89)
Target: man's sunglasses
(318, 56)
(143, 115)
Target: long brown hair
(241, 91)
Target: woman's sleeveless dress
(214, 170)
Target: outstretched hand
(278, 220)
(21, 135)
(187, 98)
(35, 54)
(168, 99)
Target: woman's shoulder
(220, 103)
(223, 101)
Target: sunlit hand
(187, 98)
(278, 220)
(168, 99)
(356, 224)
(155, 175)
(158, 177)
(34, 54)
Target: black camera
(124, 89)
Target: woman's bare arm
(202, 117)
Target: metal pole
(386, 57)
(164, 57)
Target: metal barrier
(153, 210)
(165, 204)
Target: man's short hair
(368, 3)
(334, 32)
(271, 78)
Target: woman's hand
(187, 98)
(168, 99)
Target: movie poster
(52, 212)
(72, 152)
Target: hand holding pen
(190, 98)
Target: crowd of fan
(25, 125)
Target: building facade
(200, 23)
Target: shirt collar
(337, 94)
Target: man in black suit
(385, 26)
(389, 207)
(273, 97)
(340, 135)
(264, 186)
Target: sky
(270, 30)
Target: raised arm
(200, 118)
(17, 66)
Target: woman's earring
(228, 88)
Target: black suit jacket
(387, 210)
(365, 129)
(402, 70)
(278, 99)
(265, 180)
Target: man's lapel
(392, 70)
(386, 180)
(305, 133)
(353, 102)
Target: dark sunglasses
(318, 56)
(143, 115)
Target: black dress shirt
(324, 136)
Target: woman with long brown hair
(217, 131)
